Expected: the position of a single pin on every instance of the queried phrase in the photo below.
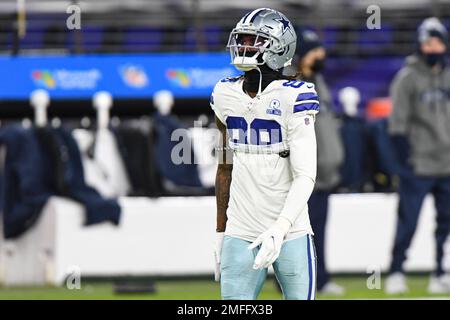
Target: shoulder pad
(306, 99)
(293, 83)
(230, 79)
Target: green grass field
(204, 289)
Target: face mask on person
(433, 59)
(318, 65)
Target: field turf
(206, 289)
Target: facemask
(318, 65)
(432, 59)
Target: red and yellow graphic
(44, 78)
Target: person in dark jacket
(311, 57)
(420, 130)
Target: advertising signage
(125, 76)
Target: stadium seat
(55, 36)
(142, 39)
(330, 37)
(212, 37)
(5, 36)
(376, 40)
(33, 39)
(91, 38)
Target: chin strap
(257, 79)
(260, 80)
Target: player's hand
(270, 241)
(217, 254)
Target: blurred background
(89, 190)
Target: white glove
(217, 253)
(271, 241)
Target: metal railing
(167, 26)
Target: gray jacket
(421, 112)
(330, 152)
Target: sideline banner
(186, 75)
(125, 76)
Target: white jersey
(259, 129)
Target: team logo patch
(274, 108)
(134, 76)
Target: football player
(267, 126)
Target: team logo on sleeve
(274, 108)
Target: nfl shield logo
(307, 121)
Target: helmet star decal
(284, 22)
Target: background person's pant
(412, 192)
(295, 270)
(318, 210)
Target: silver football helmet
(263, 36)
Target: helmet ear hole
(284, 52)
(264, 56)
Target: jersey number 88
(260, 131)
